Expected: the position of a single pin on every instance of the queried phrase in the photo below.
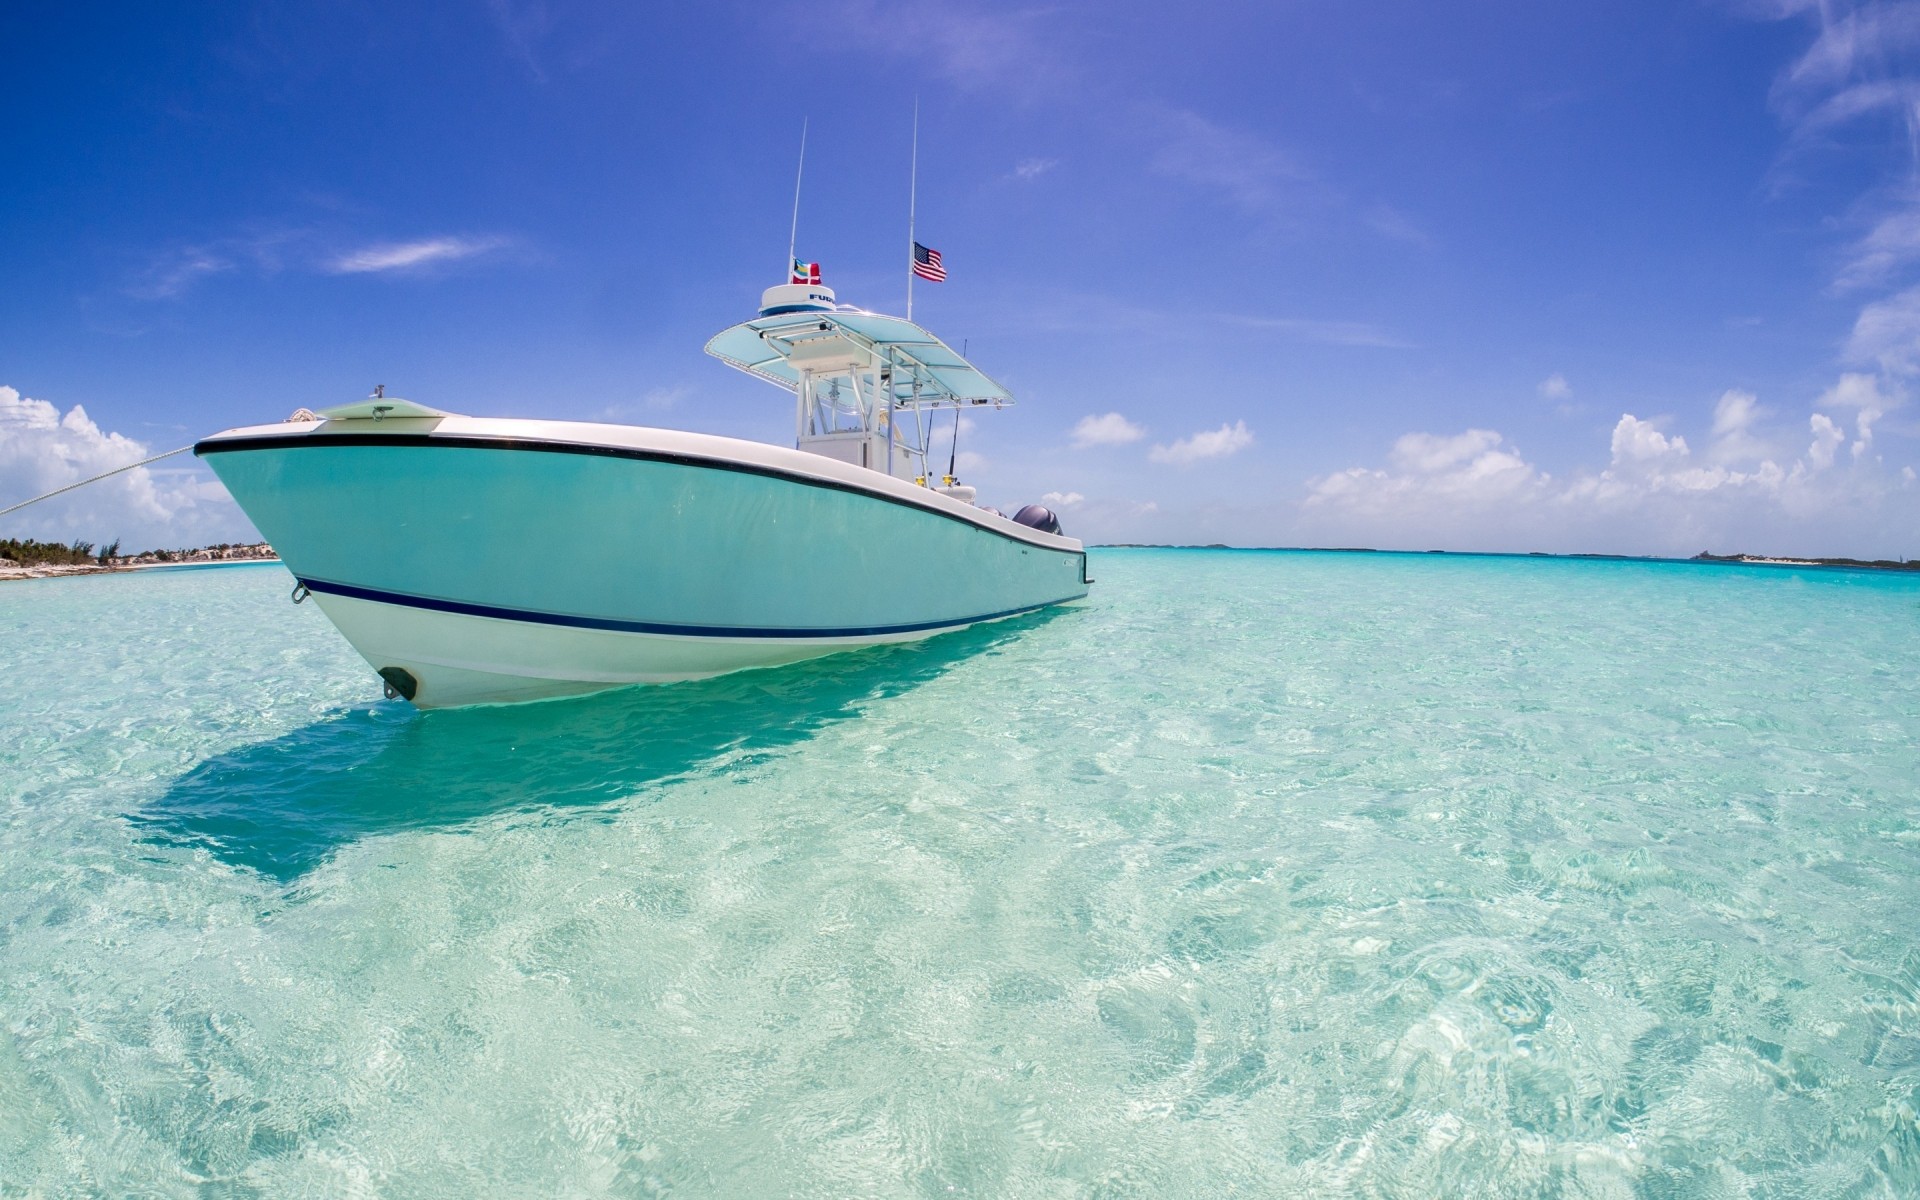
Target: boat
(487, 560)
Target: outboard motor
(1038, 516)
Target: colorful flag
(805, 272)
(926, 264)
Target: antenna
(953, 456)
(913, 194)
(793, 235)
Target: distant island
(40, 560)
(1875, 564)
(1880, 564)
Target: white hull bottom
(459, 659)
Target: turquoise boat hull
(483, 561)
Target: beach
(256, 552)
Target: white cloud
(1893, 243)
(968, 463)
(1863, 394)
(1734, 412)
(1062, 499)
(399, 256)
(1034, 168)
(1827, 437)
(1111, 429)
(1464, 471)
(1735, 417)
(1887, 332)
(1472, 490)
(1427, 453)
(1872, 34)
(1638, 443)
(41, 449)
(1332, 333)
(1555, 387)
(1854, 390)
(1217, 443)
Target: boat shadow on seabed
(280, 807)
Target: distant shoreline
(1757, 560)
(203, 556)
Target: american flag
(926, 264)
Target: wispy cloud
(177, 271)
(1063, 312)
(1244, 169)
(402, 256)
(1555, 387)
(1389, 222)
(523, 27)
(1887, 333)
(1010, 52)
(1212, 443)
(1848, 45)
(174, 272)
(1308, 329)
(1034, 168)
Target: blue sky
(1634, 277)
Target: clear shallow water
(1267, 874)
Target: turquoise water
(1261, 874)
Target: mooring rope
(96, 479)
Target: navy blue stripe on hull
(569, 620)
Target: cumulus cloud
(1734, 412)
(1474, 490)
(1465, 472)
(1215, 443)
(42, 449)
(1110, 429)
(1427, 454)
(1555, 387)
(1736, 416)
(400, 256)
(1638, 444)
(1062, 499)
(1827, 437)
